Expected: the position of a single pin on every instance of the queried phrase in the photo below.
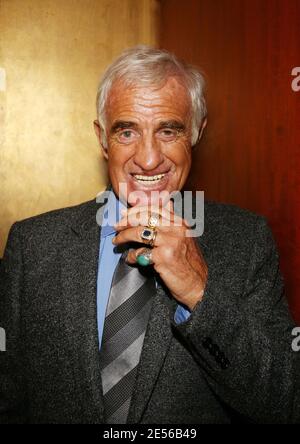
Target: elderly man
(139, 321)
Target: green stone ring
(144, 258)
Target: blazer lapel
(79, 268)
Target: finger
(133, 234)
(143, 220)
(149, 208)
(133, 253)
(141, 217)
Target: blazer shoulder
(241, 222)
(58, 215)
(42, 234)
(231, 213)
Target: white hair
(143, 65)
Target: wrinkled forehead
(169, 96)
(172, 82)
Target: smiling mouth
(148, 180)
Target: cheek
(117, 158)
(181, 155)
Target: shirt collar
(111, 214)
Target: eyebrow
(172, 124)
(126, 124)
(122, 124)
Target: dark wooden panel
(250, 154)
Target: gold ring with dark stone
(151, 243)
(148, 234)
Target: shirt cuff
(182, 314)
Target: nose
(148, 155)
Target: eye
(168, 134)
(127, 136)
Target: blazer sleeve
(243, 343)
(12, 378)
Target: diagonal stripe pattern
(126, 319)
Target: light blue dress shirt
(108, 260)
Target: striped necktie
(126, 319)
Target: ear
(202, 128)
(100, 133)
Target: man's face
(148, 133)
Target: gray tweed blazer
(231, 361)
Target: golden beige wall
(52, 53)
